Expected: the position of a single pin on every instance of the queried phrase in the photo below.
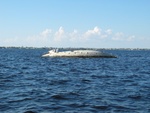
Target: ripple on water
(32, 84)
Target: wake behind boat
(78, 53)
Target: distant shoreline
(3, 47)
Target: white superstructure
(78, 53)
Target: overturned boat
(78, 53)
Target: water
(30, 83)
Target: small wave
(29, 112)
(58, 97)
(59, 82)
(85, 80)
(101, 107)
(19, 100)
(135, 96)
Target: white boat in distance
(78, 53)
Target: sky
(75, 23)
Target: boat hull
(80, 53)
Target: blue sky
(75, 23)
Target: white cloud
(131, 38)
(122, 37)
(108, 31)
(118, 36)
(61, 38)
(11, 41)
(46, 32)
(98, 33)
(41, 37)
(95, 32)
(74, 36)
(59, 35)
(104, 36)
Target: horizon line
(113, 48)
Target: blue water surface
(30, 83)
